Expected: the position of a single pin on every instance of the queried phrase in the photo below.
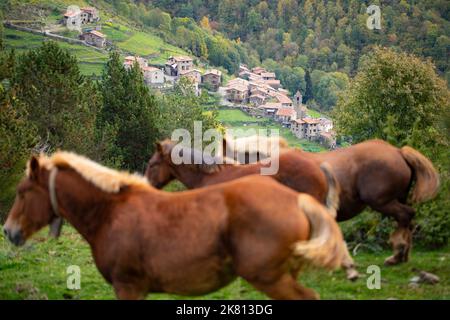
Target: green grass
(90, 61)
(236, 115)
(38, 271)
(314, 114)
(237, 119)
(126, 38)
(145, 44)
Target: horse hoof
(352, 275)
(391, 261)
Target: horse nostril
(5, 232)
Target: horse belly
(200, 277)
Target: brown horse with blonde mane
(295, 171)
(188, 243)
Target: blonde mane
(106, 179)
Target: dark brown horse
(189, 243)
(295, 172)
(376, 174)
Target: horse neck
(188, 175)
(81, 203)
(194, 178)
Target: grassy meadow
(39, 271)
(237, 119)
(127, 38)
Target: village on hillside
(255, 91)
(259, 93)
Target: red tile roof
(97, 33)
(70, 14)
(283, 98)
(311, 121)
(285, 112)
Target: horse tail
(332, 199)
(325, 247)
(425, 175)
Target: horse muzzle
(14, 236)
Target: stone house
(276, 84)
(306, 128)
(326, 125)
(270, 108)
(327, 139)
(213, 78)
(285, 116)
(237, 93)
(175, 65)
(257, 99)
(258, 70)
(153, 76)
(268, 76)
(94, 38)
(130, 60)
(193, 74)
(70, 18)
(89, 15)
(285, 101)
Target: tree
(400, 98)
(396, 84)
(128, 114)
(59, 101)
(17, 136)
(309, 88)
(204, 23)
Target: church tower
(298, 106)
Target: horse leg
(401, 238)
(127, 291)
(349, 266)
(285, 288)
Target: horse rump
(425, 175)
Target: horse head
(32, 208)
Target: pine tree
(129, 115)
(309, 88)
(17, 139)
(60, 102)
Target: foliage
(60, 102)
(126, 123)
(400, 98)
(180, 108)
(17, 139)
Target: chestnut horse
(376, 174)
(295, 171)
(189, 243)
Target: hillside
(141, 31)
(312, 46)
(327, 38)
(128, 38)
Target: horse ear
(34, 168)
(159, 147)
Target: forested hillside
(326, 38)
(313, 46)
